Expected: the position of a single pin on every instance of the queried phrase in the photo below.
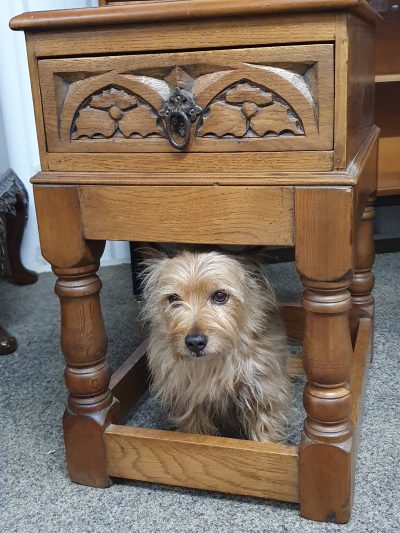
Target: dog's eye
(174, 298)
(220, 297)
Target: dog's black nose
(196, 343)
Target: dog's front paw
(197, 421)
(266, 426)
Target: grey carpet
(35, 494)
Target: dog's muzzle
(196, 344)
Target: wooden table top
(161, 10)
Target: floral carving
(247, 110)
(114, 113)
(246, 93)
(224, 119)
(174, 107)
(276, 118)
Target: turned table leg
(91, 406)
(363, 277)
(326, 460)
(324, 258)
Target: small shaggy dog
(218, 352)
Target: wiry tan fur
(243, 373)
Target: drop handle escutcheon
(178, 113)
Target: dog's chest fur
(217, 381)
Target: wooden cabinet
(212, 122)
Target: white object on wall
(17, 121)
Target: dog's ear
(257, 255)
(148, 259)
(147, 251)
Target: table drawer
(256, 99)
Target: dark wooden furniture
(213, 122)
(8, 343)
(387, 69)
(13, 216)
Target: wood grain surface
(131, 380)
(203, 462)
(277, 177)
(210, 215)
(324, 232)
(387, 40)
(389, 166)
(186, 35)
(293, 319)
(361, 84)
(186, 163)
(58, 216)
(359, 373)
(179, 9)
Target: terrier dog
(217, 350)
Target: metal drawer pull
(178, 113)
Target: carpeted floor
(35, 494)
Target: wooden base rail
(216, 463)
(131, 380)
(203, 462)
(359, 373)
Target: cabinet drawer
(256, 99)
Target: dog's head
(204, 303)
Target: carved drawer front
(264, 99)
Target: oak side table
(206, 121)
